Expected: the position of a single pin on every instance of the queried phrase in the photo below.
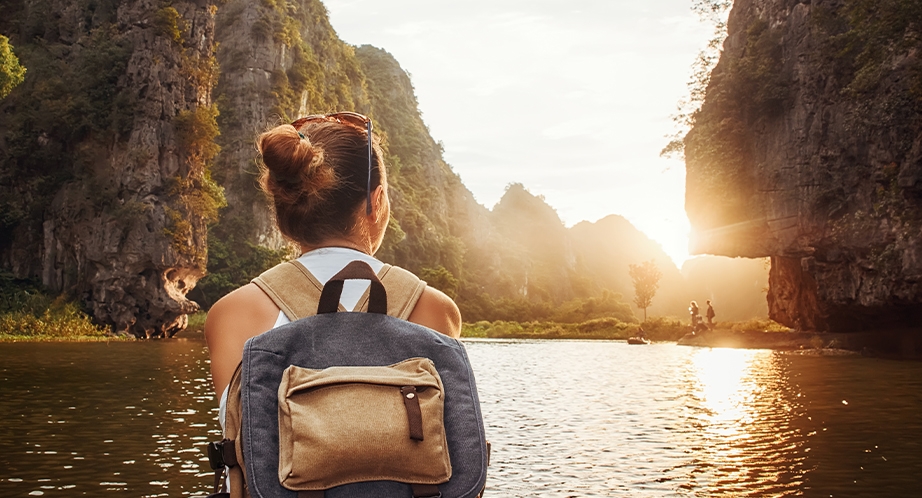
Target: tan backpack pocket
(342, 425)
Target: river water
(565, 418)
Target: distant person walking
(710, 315)
(695, 318)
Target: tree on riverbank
(646, 278)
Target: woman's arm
(232, 320)
(438, 312)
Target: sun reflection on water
(742, 411)
(724, 387)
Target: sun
(671, 234)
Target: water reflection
(88, 419)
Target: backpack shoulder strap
(236, 474)
(403, 291)
(293, 288)
(296, 291)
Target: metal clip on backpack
(351, 405)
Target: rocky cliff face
(103, 182)
(808, 149)
(278, 62)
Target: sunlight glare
(737, 406)
(725, 389)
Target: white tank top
(323, 263)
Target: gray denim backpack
(350, 405)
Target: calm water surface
(566, 419)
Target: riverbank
(28, 314)
(58, 322)
(898, 343)
(657, 329)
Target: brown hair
(318, 182)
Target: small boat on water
(637, 340)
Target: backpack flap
(342, 425)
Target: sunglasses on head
(345, 117)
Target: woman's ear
(379, 203)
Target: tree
(646, 281)
(11, 73)
(441, 279)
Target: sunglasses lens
(352, 118)
(298, 123)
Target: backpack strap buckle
(222, 454)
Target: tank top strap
(296, 291)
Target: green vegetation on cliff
(195, 191)
(421, 237)
(740, 91)
(60, 104)
(863, 37)
(11, 72)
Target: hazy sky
(571, 98)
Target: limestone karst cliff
(104, 186)
(808, 149)
(278, 61)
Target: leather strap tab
(414, 414)
(229, 449)
(403, 290)
(425, 491)
(313, 493)
(356, 270)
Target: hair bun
(294, 164)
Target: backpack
(350, 405)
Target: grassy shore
(59, 322)
(196, 323)
(663, 329)
(28, 314)
(656, 329)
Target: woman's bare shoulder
(236, 317)
(438, 312)
(248, 303)
(244, 313)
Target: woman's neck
(337, 242)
